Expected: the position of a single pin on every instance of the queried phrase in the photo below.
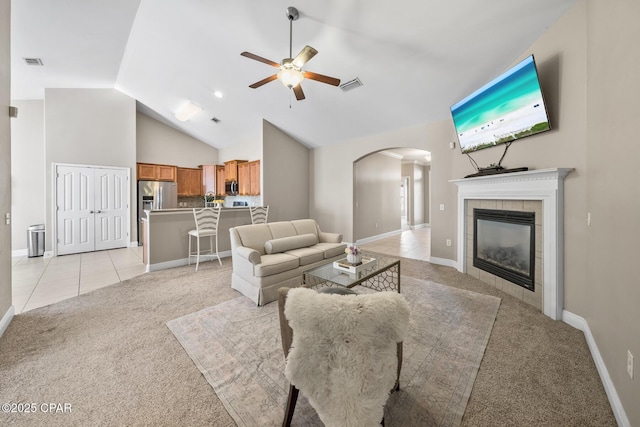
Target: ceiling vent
(215, 120)
(33, 61)
(351, 84)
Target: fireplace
(542, 186)
(504, 245)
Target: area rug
(237, 347)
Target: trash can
(35, 240)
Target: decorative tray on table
(343, 265)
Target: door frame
(54, 199)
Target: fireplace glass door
(504, 245)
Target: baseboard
(378, 237)
(181, 262)
(443, 261)
(6, 319)
(616, 405)
(19, 252)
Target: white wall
(5, 165)
(89, 127)
(27, 171)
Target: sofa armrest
(250, 254)
(325, 237)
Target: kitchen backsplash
(198, 201)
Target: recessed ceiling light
(218, 94)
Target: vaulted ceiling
(414, 58)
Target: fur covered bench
(274, 255)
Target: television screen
(509, 107)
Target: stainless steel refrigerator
(155, 195)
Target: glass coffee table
(378, 272)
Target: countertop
(179, 210)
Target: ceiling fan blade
(304, 56)
(322, 78)
(260, 58)
(263, 81)
(299, 93)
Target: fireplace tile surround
(540, 191)
(535, 206)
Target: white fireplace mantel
(546, 185)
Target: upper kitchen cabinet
(189, 182)
(220, 177)
(249, 178)
(254, 173)
(209, 178)
(153, 172)
(231, 169)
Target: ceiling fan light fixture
(187, 111)
(290, 76)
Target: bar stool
(259, 214)
(206, 226)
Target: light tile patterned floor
(40, 281)
(415, 244)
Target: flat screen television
(508, 108)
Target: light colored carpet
(110, 354)
(237, 347)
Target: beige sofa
(274, 255)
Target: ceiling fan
(291, 73)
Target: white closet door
(111, 208)
(75, 198)
(92, 209)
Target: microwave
(231, 188)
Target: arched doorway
(391, 195)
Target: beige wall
(332, 166)
(561, 59)
(27, 171)
(612, 287)
(5, 162)
(285, 176)
(89, 127)
(377, 196)
(419, 192)
(591, 94)
(162, 144)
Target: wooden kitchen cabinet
(249, 178)
(254, 176)
(244, 179)
(220, 177)
(189, 182)
(231, 169)
(154, 172)
(209, 179)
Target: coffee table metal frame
(383, 275)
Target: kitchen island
(166, 242)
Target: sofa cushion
(284, 244)
(331, 249)
(282, 229)
(253, 236)
(307, 255)
(275, 263)
(305, 226)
